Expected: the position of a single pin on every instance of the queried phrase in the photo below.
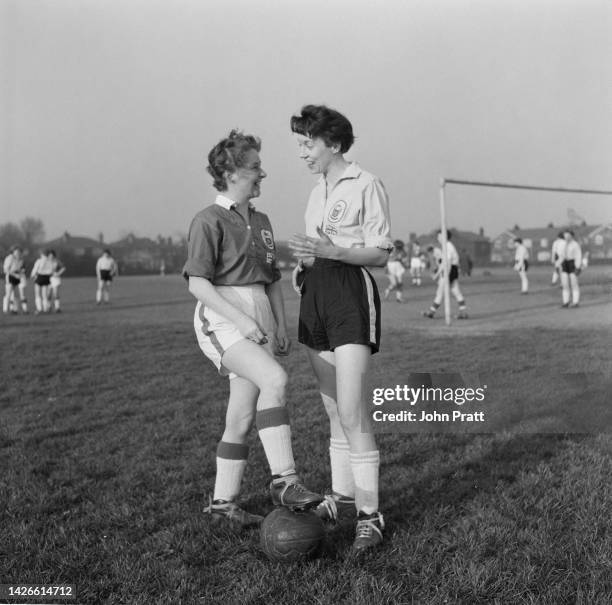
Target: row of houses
(594, 239)
(135, 255)
(145, 255)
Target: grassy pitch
(110, 416)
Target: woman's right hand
(249, 328)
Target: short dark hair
(518, 240)
(106, 251)
(228, 155)
(326, 123)
(51, 252)
(448, 233)
(568, 231)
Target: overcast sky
(108, 108)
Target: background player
(416, 264)
(41, 274)
(555, 254)
(56, 281)
(453, 277)
(106, 269)
(347, 227)
(14, 272)
(571, 263)
(239, 321)
(521, 263)
(396, 267)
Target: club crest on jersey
(337, 212)
(267, 238)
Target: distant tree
(550, 225)
(33, 231)
(10, 235)
(516, 228)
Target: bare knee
(275, 382)
(350, 420)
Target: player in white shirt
(347, 230)
(41, 274)
(453, 277)
(396, 267)
(106, 269)
(521, 263)
(13, 271)
(555, 257)
(56, 281)
(571, 264)
(416, 264)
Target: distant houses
(468, 243)
(134, 255)
(594, 239)
(142, 255)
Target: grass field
(110, 416)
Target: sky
(108, 108)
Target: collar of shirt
(227, 203)
(352, 171)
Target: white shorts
(396, 269)
(55, 281)
(415, 263)
(216, 334)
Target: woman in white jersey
(396, 267)
(347, 229)
(41, 274)
(571, 265)
(56, 281)
(453, 277)
(106, 270)
(14, 273)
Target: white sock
(341, 470)
(365, 471)
(231, 462)
(275, 435)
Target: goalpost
(444, 182)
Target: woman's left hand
(304, 246)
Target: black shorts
(453, 274)
(106, 275)
(42, 280)
(568, 266)
(340, 305)
(14, 281)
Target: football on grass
(291, 536)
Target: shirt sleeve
(202, 250)
(376, 224)
(276, 272)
